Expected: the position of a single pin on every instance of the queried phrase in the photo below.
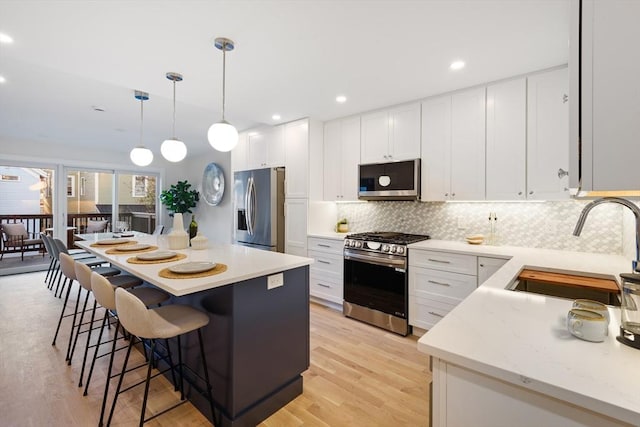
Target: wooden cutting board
(605, 285)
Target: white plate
(157, 255)
(112, 242)
(130, 248)
(192, 267)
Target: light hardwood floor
(359, 375)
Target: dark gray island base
(257, 347)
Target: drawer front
(325, 245)
(446, 261)
(425, 313)
(325, 288)
(326, 263)
(425, 281)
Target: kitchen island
(505, 358)
(257, 341)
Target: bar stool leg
(64, 306)
(72, 341)
(95, 353)
(146, 385)
(206, 377)
(180, 369)
(86, 348)
(108, 380)
(119, 386)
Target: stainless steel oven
(376, 279)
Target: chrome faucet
(620, 201)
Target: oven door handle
(398, 264)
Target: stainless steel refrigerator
(258, 207)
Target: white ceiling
(291, 58)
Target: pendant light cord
(141, 120)
(174, 109)
(224, 66)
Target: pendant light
(222, 135)
(141, 155)
(173, 149)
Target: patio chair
(15, 238)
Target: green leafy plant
(179, 198)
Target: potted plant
(179, 198)
(342, 226)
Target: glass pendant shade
(173, 150)
(223, 136)
(141, 156)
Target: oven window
(374, 286)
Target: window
(140, 184)
(83, 186)
(71, 186)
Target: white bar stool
(159, 323)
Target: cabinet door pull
(565, 98)
(322, 245)
(323, 261)
(481, 265)
(433, 313)
(438, 283)
(323, 285)
(440, 261)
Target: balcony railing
(41, 223)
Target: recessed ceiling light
(5, 38)
(457, 65)
(341, 99)
(276, 117)
(2, 79)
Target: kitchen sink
(567, 284)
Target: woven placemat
(220, 268)
(116, 251)
(134, 260)
(110, 245)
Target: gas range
(383, 242)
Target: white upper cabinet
(265, 147)
(341, 158)
(548, 135)
(391, 135)
(296, 143)
(453, 147)
(506, 140)
(436, 149)
(239, 161)
(468, 145)
(610, 89)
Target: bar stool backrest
(46, 243)
(83, 274)
(133, 314)
(67, 263)
(103, 291)
(61, 247)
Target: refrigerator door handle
(247, 205)
(253, 203)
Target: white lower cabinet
(295, 226)
(326, 273)
(438, 281)
(487, 266)
(463, 397)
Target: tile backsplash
(529, 224)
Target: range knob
(393, 249)
(358, 244)
(400, 250)
(347, 243)
(386, 248)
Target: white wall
(214, 222)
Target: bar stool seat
(170, 321)
(121, 280)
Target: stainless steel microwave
(390, 181)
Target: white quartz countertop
(328, 235)
(242, 263)
(521, 337)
